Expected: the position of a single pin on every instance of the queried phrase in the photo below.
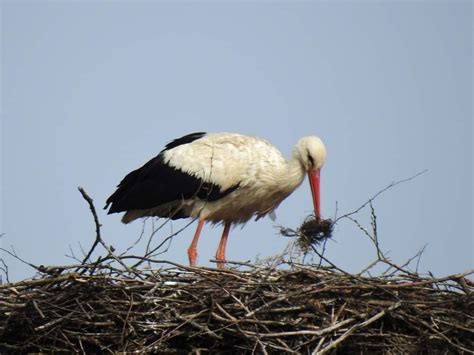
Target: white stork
(218, 177)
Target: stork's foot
(220, 260)
(192, 250)
(192, 256)
(220, 253)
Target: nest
(175, 309)
(127, 303)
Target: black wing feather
(156, 183)
(184, 140)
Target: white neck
(294, 174)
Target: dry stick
(125, 323)
(395, 183)
(203, 328)
(320, 343)
(352, 277)
(4, 268)
(98, 238)
(318, 332)
(14, 254)
(408, 262)
(381, 258)
(142, 233)
(351, 330)
(278, 299)
(166, 336)
(381, 255)
(153, 232)
(262, 347)
(356, 278)
(441, 335)
(431, 281)
(150, 253)
(35, 304)
(246, 333)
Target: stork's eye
(311, 160)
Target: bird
(222, 178)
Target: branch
(395, 183)
(13, 254)
(351, 330)
(98, 238)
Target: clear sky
(93, 89)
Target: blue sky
(92, 90)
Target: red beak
(313, 176)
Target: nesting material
(299, 310)
(314, 231)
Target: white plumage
(218, 177)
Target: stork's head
(311, 153)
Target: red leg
(192, 252)
(220, 253)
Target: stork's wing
(157, 183)
(164, 179)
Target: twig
(14, 254)
(98, 238)
(349, 332)
(4, 268)
(395, 183)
